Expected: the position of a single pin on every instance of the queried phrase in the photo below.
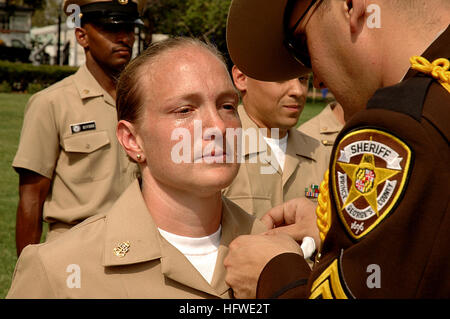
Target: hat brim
(112, 20)
(255, 35)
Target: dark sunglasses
(296, 44)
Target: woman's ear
(126, 134)
(356, 10)
(239, 79)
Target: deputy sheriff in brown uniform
(264, 179)
(68, 158)
(385, 217)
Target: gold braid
(438, 69)
(323, 210)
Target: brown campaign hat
(255, 35)
(108, 11)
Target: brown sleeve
(284, 276)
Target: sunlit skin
(349, 72)
(108, 50)
(354, 60)
(272, 104)
(184, 85)
(110, 47)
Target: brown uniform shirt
(257, 192)
(149, 267)
(68, 136)
(324, 127)
(397, 149)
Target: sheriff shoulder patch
(369, 173)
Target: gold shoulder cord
(438, 69)
(323, 210)
(328, 284)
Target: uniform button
(85, 91)
(88, 146)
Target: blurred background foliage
(204, 19)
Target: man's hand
(247, 257)
(296, 218)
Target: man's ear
(239, 79)
(127, 136)
(356, 10)
(82, 37)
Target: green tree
(28, 3)
(204, 19)
(47, 14)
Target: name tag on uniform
(81, 127)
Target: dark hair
(128, 100)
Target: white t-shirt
(200, 251)
(278, 147)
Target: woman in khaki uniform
(167, 235)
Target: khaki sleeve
(39, 147)
(30, 280)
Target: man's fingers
(268, 221)
(284, 214)
(291, 230)
(274, 217)
(297, 233)
(288, 213)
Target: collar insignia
(122, 249)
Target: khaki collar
(327, 121)
(88, 86)
(250, 147)
(301, 144)
(298, 144)
(130, 221)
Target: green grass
(11, 115)
(311, 110)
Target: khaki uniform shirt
(69, 136)
(324, 127)
(150, 266)
(304, 168)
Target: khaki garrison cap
(255, 35)
(107, 11)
